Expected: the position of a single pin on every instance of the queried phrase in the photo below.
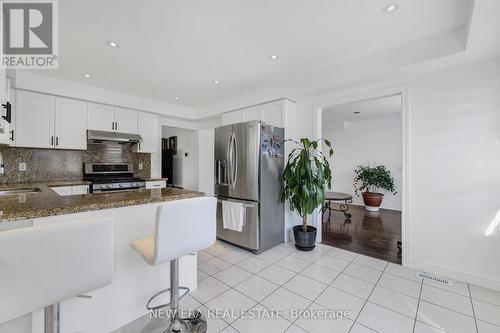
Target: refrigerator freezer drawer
(249, 237)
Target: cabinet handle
(12, 135)
(116, 125)
(57, 141)
(51, 140)
(8, 112)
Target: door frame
(355, 96)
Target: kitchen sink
(17, 191)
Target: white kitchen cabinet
(112, 119)
(70, 124)
(34, 120)
(125, 121)
(272, 113)
(7, 117)
(101, 117)
(253, 113)
(151, 184)
(232, 117)
(147, 125)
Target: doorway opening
(369, 133)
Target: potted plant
(371, 181)
(306, 175)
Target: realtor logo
(29, 33)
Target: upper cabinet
(112, 119)
(101, 117)
(148, 129)
(125, 121)
(45, 121)
(272, 113)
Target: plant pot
(372, 201)
(304, 240)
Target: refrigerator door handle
(229, 159)
(235, 165)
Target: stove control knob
(120, 185)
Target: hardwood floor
(372, 234)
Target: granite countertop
(48, 203)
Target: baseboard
(456, 275)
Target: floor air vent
(429, 276)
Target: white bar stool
(43, 265)
(182, 227)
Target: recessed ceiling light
(390, 8)
(176, 98)
(274, 57)
(216, 82)
(112, 43)
(87, 76)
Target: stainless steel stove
(111, 177)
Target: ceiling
(179, 47)
(369, 109)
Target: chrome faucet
(1, 163)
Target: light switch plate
(141, 166)
(22, 166)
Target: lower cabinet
(156, 184)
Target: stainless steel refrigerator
(248, 169)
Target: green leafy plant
(373, 179)
(306, 175)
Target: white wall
(185, 167)
(455, 179)
(371, 141)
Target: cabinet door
(101, 117)
(125, 121)
(79, 189)
(253, 113)
(232, 117)
(34, 120)
(274, 114)
(70, 124)
(148, 130)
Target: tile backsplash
(56, 164)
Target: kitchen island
(134, 215)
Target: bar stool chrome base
(194, 324)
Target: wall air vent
(431, 277)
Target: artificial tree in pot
(306, 176)
(371, 181)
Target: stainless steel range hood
(103, 136)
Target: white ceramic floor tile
(337, 300)
(332, 263)
(323, 248)
(341, 254)
(399, 284)
(325, 324)
(446, 299)
(353, 285)
(295, 329)
(285, 248)
(217, 249)
(484, 327)
(264, 321)
(214, 324)
(189, 303)
(253, 264)
(456, 287)
(485, 295)
(286, 301)
(203, 256)
(271, 255)
(370, 262)
(293, 264)
(233, 301)
(444, 319)
(403, 272)
(276, 274)
(395, 301)
(363, 273)
(213, 265)
(235, 256)
(232, 275)
(424, 328)
(208, 289)
(358, 328)
(383, 320)
(487, 312)
(307, 255)
(201, 275)
(305, 287)
(320, 273)
(256, 288)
